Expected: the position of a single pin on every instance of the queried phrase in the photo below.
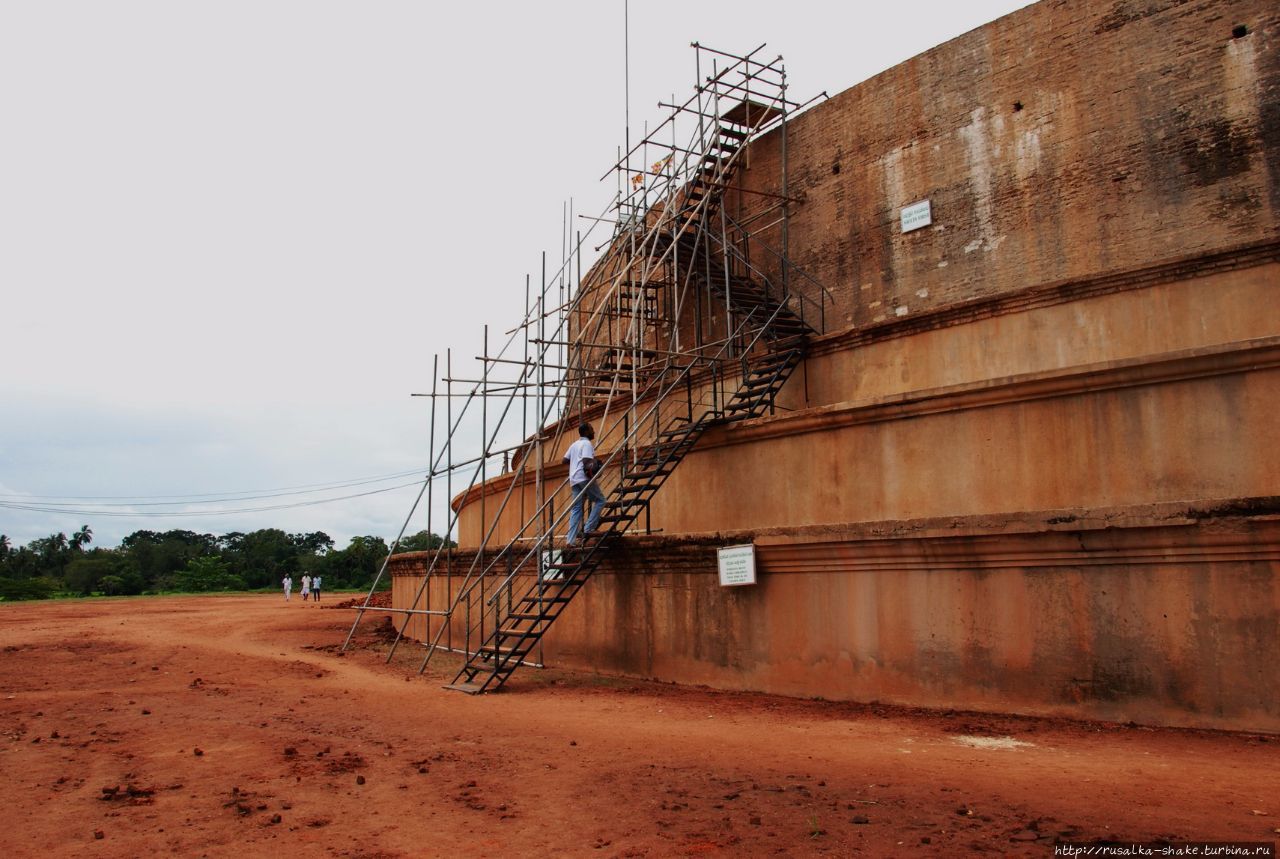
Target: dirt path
(230, 726)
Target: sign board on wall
(916, 215)
(737, 565)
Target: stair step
(755, 381)
(750, 400)
(635, 490)
(762, 380)
(499, 650)
(752, 394)
(790, 347)
(770, 365)
(663, 446)
(625, 504)
(760, 368)
(510, 632)
(628, 518)
(767, 365)
(530, 615)
(469, 688)
(535, 599)
(663, 457)
(667, 456)
(731, 132)
(648, 475)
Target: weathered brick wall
(1063, 141)
(1164, 614)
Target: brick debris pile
(381, 599)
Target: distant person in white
(315, 589)
(288, 587)
(306, 587)
(581, 459)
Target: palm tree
(81, 538)
(53, 545)
(4, 545)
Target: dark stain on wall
(1213, 150)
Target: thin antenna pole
(626, 74)
(484, 478)
(448, 403)
(524, 397)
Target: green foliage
(84, 574)
(158, 556)
(186, 561)
(112, 585)
(423, 541)
(202, 575)
(39, 588)
(815, 831)
(354, 566)
(263, 557)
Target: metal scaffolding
(692, 314)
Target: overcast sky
(234, 234)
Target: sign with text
(737, 565)
(916, 215)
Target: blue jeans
(581, 492)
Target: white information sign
(737, 565)
(916, 215)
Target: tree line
(188, 562)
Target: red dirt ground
(232, 726)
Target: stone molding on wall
(1046, 295)
(1250, 355)
(1046, 538)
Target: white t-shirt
(578, 451)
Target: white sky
(232, 235)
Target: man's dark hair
(585, 430)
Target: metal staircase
(515, 636)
